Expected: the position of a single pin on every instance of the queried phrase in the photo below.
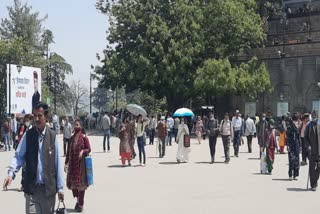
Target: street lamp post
(90, 95)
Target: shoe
(212, 160)
(104, 150)
(178, 160)
(129, 164)
(295, 178)
(76, 207)
(313, 189)
(80, 209)
(303, 163)
(290, 178)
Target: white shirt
(250, 127)
(170, 122)
(153, 123)
(67, 130)
(236, 123)
(14, 125)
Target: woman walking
(293, 143)
(78, 149)
(6, 130)
(183, 152)
(141, 125)
(283, 130)
(199, 129)
(271, 147)
(124, 146)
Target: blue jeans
(106, 134)
(6, 141)
(141, 149)
(170, 132)
(236, 142)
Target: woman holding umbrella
(183, 152)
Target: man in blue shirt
(39, 151)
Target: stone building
(292, 56)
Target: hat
(162, 118)
(237, 111)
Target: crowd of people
(37, 150)
(292, 131)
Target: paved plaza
(165, 187)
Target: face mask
(263, 118)
(182, 122)
(77, 129)
(27, 124)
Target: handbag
(61, 210)
(186, 140)
(89, 170)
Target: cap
(237, 111)
(162, 118)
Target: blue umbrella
(183, 112)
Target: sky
(79, 31)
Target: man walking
(249, 132)
(263, 133)
(162, 134)
(311, 139)
(226, 131)
(213, 132)
(152, 128)
(67, 132)
(105, 124)
(170, 123)
(39, 151)
(236, 125)
(14, 127)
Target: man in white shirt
(236, 125)
(105, 124)
(249, 131)
(170, 123)
(67, 132)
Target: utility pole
(55, 90)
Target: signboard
(282, 108)
(25, 89)
(250, 109)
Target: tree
(159, 46)
(23, 40)
(77, 94)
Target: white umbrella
(136, 110)
(183, 112)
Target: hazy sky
(78, 28)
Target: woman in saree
(183, 152)
(271, 147)
(124, 146)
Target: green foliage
(24, 41)
(163, 46)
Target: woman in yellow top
(282, 141)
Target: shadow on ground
(208, 162)
(281, 179)
(297, 190)
(169, 163)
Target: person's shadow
(297, 190)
